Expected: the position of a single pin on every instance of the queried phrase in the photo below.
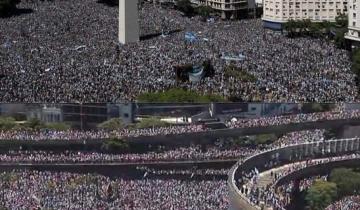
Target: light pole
(81, 117)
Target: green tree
(211, 98)
(356, 64)
(7, 7)
(112, 124)
(19, 117)
(346, 180)
(315, 29)
(316, 107)
(57, 126)
(186, 7)
(306, 23)
(265, 138)
(255, 140)
(320, 195)
(300, 27)
(178, 95)
(115, 145)
(7, 123)
(341, 20)
(204, 11)
(339, 38)
(151, 122)
(290, 27)
(34, 123)
(326, 25)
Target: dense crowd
(156, 21)
(267, 195)
(179, 154)
(299, 137)
(190, 172)
(297, 118)
(347, 203)
(60, 190)
(285, 191)
(194, 152)
(53, 54)
(46, 134)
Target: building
(278, 12)
(45, 113)
(354, 22)
(12, 109)
(229, 9)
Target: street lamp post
(81, 116)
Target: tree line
(341, 182)
(331, 30)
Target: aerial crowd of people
(46, 188)
(46, 134)
(31, 189)
(180, 154)
(49, 199)
(347, 203)
(268, 195)
(297, 118)
(53, 54)
(191, 153)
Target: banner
(190, 37)
(228, 57)
(196, 74)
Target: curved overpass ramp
(280, 157)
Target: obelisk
(128, 21)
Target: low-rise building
(278, 12)
(353, 33)
(229, 9)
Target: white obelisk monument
(128, 21)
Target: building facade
(229, 9)
(277, 12)
(45, 113)
(354, 21)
